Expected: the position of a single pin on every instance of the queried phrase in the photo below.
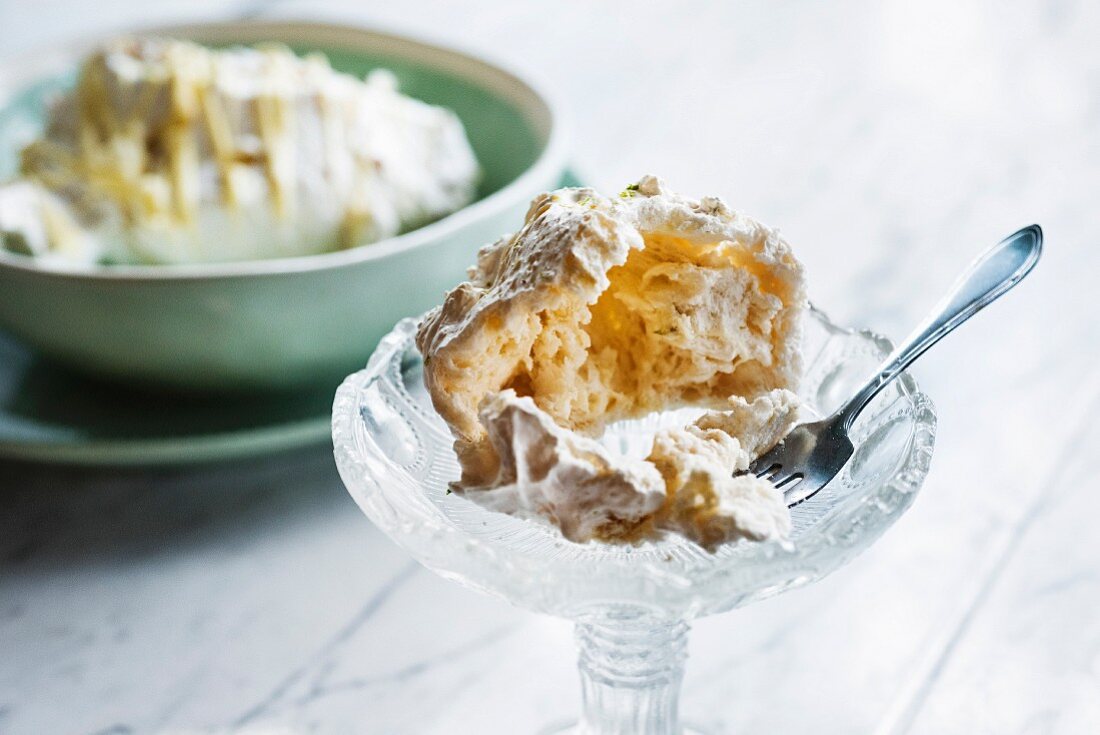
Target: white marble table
(891, 141)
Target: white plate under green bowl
(288, 322)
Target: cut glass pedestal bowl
(632, 604)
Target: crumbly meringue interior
(601, 309)
(673, 321)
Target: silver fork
(813, 453)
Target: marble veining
(890, 142)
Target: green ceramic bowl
(278, 323)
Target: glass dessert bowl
(632, 603)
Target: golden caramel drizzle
(152, 171)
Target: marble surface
(891, 141)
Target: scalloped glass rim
(394, 454)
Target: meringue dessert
(169, 152)
(605, 309)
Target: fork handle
(993, 273)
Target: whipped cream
(168, 152)
(553, 472)
(685, 485)
(601, 309)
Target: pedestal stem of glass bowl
(631, 668)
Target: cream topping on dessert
(574, 480)
(686, 484)
(167, 151)
(602, 309)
